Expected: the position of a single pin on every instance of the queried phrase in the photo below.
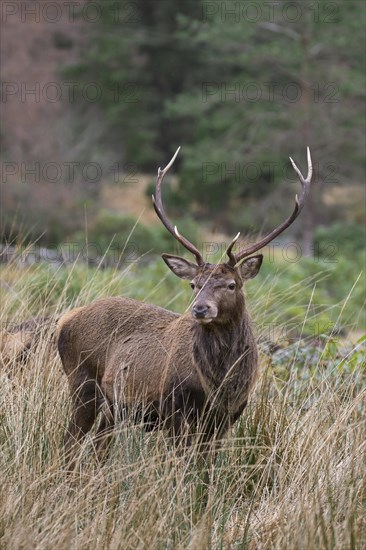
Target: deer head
(218, 295)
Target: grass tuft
(290, 475)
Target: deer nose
(200, 310)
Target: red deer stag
(190, 372)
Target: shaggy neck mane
(221, 350)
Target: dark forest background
(241, 86)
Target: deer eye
(231, 286)
(192, 286)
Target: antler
(299, 204)
(158, 205)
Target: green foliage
(313, 296)
(136, 56)
(111, 230)
(44, 214)
(235, 85)
(124, 239)
(316, 360)
(339, 239)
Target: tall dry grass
(291, 475)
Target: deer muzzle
(204, 312)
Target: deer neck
(223, 353)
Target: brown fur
(17, 341)
(185, 374)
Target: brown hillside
(33, 48)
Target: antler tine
(232, 260)
(299, 204)
(159, 209)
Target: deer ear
(180, 267)
(249, 268)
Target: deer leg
(214, 429)
(85, 403)
(172, 414)
(104, 432)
